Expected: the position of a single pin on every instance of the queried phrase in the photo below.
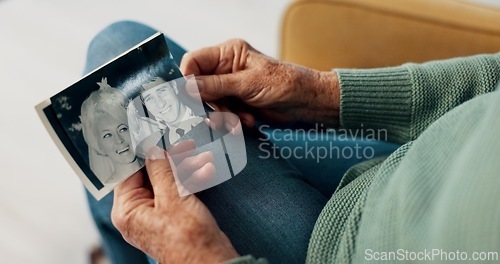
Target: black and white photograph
(161, 107)
(105, 123)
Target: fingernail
(210, 124)
(230, 128)
(207, 121)
(201, 84)
(156, 153)
(183, 142)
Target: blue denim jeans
(268, 210)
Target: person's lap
(268, 210)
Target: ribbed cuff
(378, 99)
(248, 259)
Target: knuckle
(160, 171)
(120, 220)
(237, 42)
(218, 83)
(241, 42)
(193, 162)
(209, 155)
(206, 172)
(190, 162)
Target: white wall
(493, 3)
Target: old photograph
(163, 107)
(105, 122)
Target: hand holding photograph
(105, 123)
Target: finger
(135, 181)
(215, 120)
(229, 56)
(192, 170)
(225, 119)
(202, 61)
(192, 87)
(188, 166)
(127, 196)
(200, 179)
(220, 107)
(247, 119)
(181, 150)
(215, 87)
(161, 176)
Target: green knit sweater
(439, 192)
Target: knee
(123, 25)
(114, 40)
(123, 33)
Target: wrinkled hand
(273, 90)
(170, 228)
(191, 172)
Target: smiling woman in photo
(106, 132)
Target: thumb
(161, 176)
(215, 87)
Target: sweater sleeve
(405, 100)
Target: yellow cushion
(324, 34)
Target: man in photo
(161, 98)
(160, 114)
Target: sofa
(326, 34)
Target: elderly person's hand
(270, 89)
(172, 229)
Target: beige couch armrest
(324, 34)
